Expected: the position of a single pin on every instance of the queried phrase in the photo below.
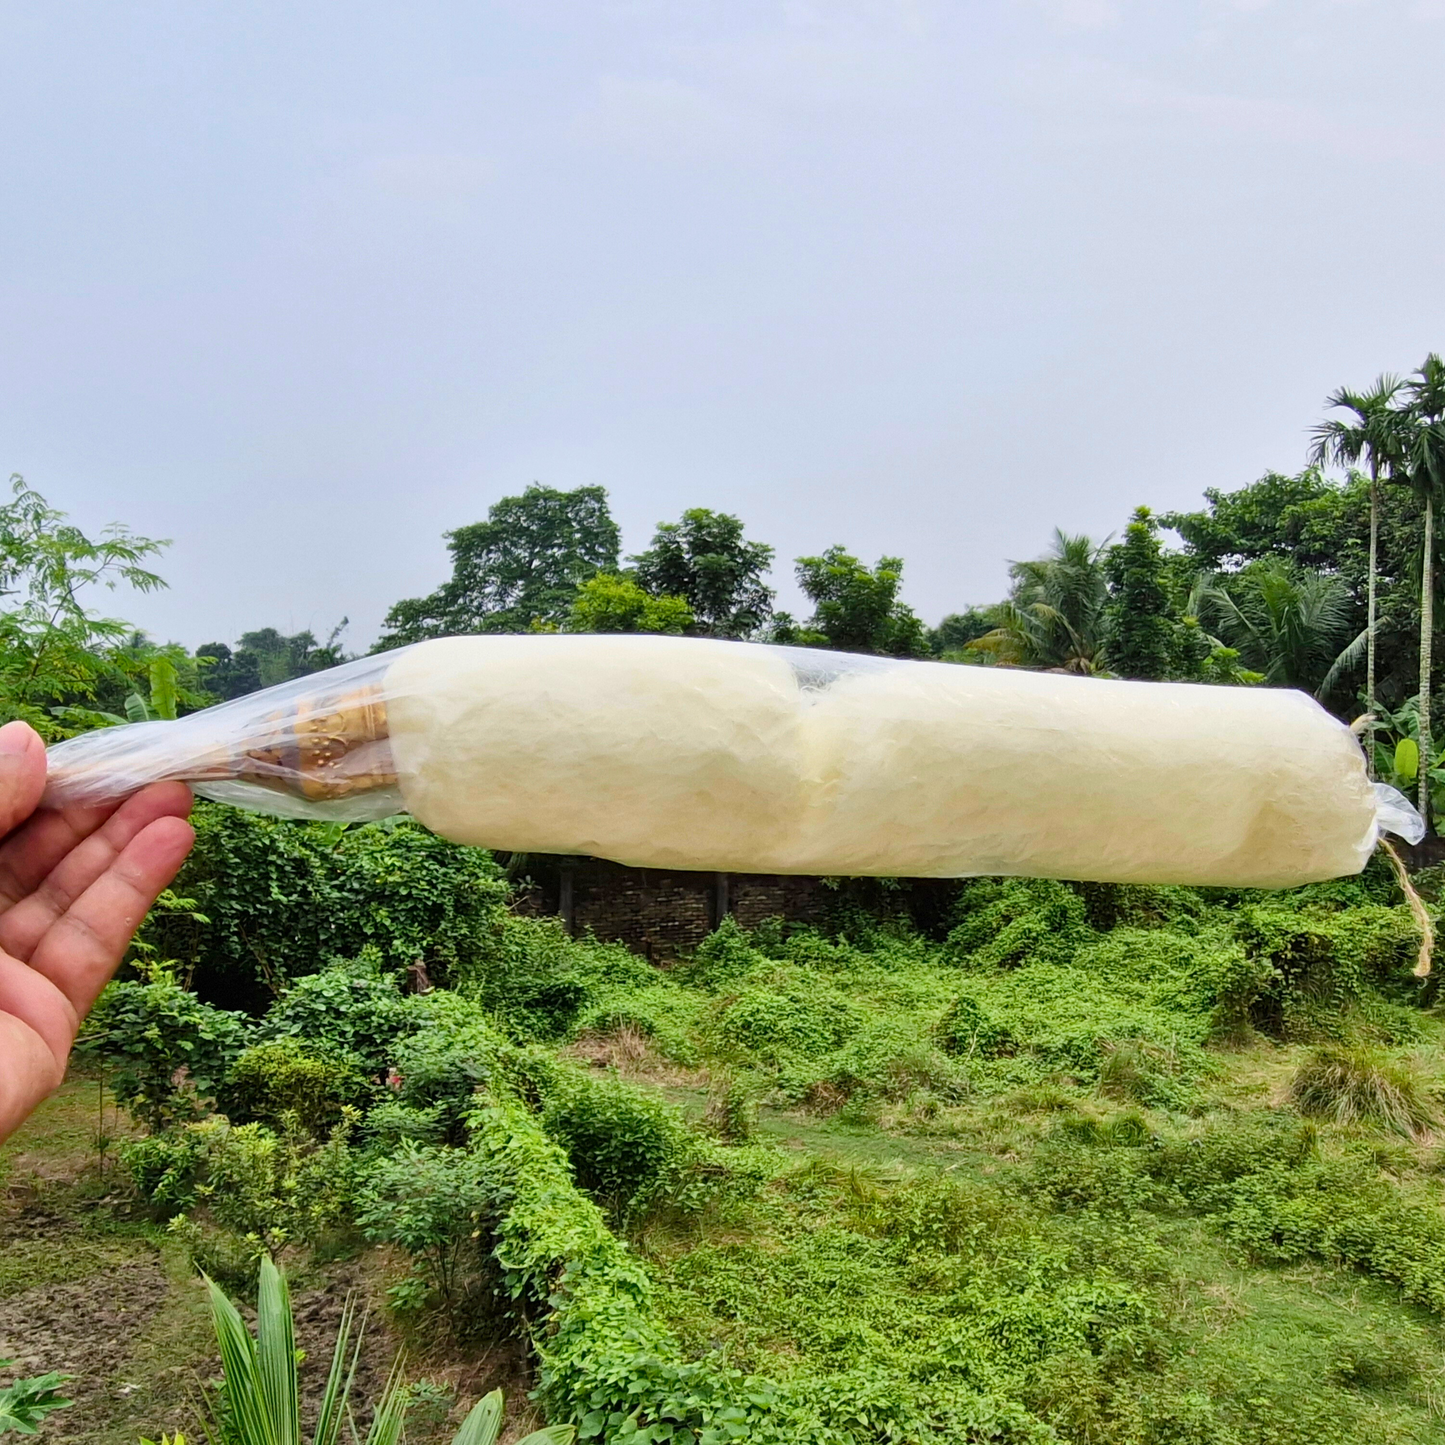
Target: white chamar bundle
(698, 754)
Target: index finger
(22, 773)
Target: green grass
(990, 1212)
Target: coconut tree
(1285, 624)
(1056, 616)
(1376, 436)
(1423, 470)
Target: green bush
(168, 1052)
(1316, 964)
(1134, 1070)
(884, 1060)
(273, 1188)
(527, 972)
(1007, 921)
(281, 1188)
(442, 1206)
(164, 1168)
(969, 1031)
(792, 1015)
(725, 955)
(438, 1070)
(732, 1111)
(350, 1009)
(288, 1079)
(282, 899)
(620, 1140)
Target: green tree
(855, 608)
(957, 630)
(613, 602)
(1312, 523)
(54, 650)
(1288, 625)
(267, 657)
(1376, 436)
(1298, 518)
(1425, 475)
(1141, 631)
(522, 565)
(1056, 615)
(706, 561)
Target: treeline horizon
(1311, 580)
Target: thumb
(22, 773)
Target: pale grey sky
(302, 285)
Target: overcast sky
(303, 285)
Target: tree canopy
(522, 565)
(266, 657)
(705, 560)
(613, 602)
(855, 608)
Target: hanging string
(1418, 910)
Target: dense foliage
(522, 565)
(278, 900)
(1051, 1064)
(1040, 1161)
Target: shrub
(289, 1079)
(968, 1030)
(281, 899)
(1072, 1174)
(1132, 905)
(884, 1060)
(619, 1139)
(169, 1053)
(349, 1009)
(438, 1070)
(1002, 922)
(1318, 963)
(732, 1109)
(794, 1015)
(164, 1168)
(1136, 1071)
(1353, 1085)
(725, 955)
(281, 1188)
(442, 1206)
(256, 1184)
(526, 971)
(941, 1215)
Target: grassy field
(1083, 1164)
(1100, 1213)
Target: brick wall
(662, 913)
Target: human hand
(74, 886)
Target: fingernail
(15, 737)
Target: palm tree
(1056, 614)
(1424, 473)
(1375, 434)
(1284, 624)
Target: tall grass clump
(1360, 1085)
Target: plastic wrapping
(698, 754)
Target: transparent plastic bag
(315, 747)
(698, 754)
